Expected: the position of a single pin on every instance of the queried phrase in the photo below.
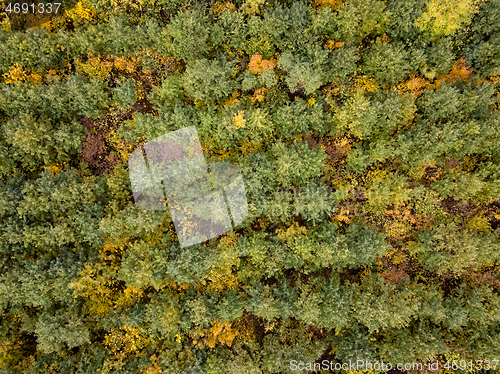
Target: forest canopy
(368, 136)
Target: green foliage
(420, 341)
(296, 164)
(404, 13)
(459, 185)
(299, 118)
(374, 122)
(170, 89)
(486, 40)
(359, 248)
(439, 58)
(40, 124)
(447, 248)
(52, 211)
(357, 19)
(52, 331)
(35, 49)
(279, 29)
(163, 314)
(354, 344)
(148, 126)
(187, 35)
(124, 94)
(300, 75)
(341, 64)
(232, 30)
(453, 123)
(49, 228)
(378, 306)
(481, 305)
(209, 81)
(386, 62)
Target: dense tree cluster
(368, 135)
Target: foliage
(357, 19)
(447, 248)
(442, 19)
(207, 81)
(187, 35)
(125, 93)
(367, 137)
(394, 66)
(485, 40)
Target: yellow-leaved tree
(442, 18)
